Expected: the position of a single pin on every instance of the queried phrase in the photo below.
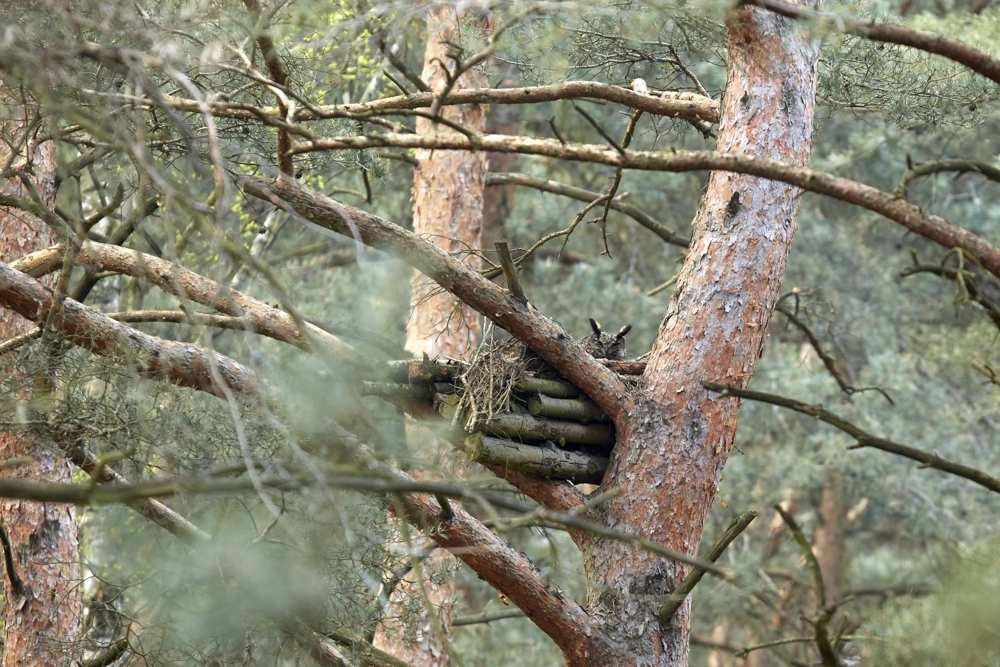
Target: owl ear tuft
(596, 326)
(624, 331)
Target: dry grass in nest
(487, 387)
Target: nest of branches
(509, 408)
(489, 385)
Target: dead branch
(546, 185)
(864, 438)
(985, 169)
(930, 226)
(680, 593)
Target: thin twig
(864, 438)
(510, 271)
(680, 593)
(600, 130)
(828, 361)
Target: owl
(606, 345)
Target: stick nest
(487, 387)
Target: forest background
(908, 553)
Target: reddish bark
(447, 203)
(447, 211)
(42, 622)
(510, 571)
(672, 447)
(828, 542)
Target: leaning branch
(521, 320)
(277, 72)
(680, 593)
(952, 49)
(509, 571)
(153, 510)
(864, 438)
(184, 365)
(933, 227)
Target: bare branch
(153, 510)
(969, 281)
(864, 439)
(831, 364)
(930, 42)
(913, 218)
(687, 106)
(961, 166)
(486, 618)
(807, 553)
(181, 282)
(184, 365)
(680, 593)
(546, 185)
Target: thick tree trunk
(447, 210)
(42, 623)
(672, 447)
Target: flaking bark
(42, 623)
(672, 448)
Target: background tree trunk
(447, 210)
(447, 200)
(828, 542)
(42, 625)
(672, 448)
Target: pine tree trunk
(828, 542)
(447, 210)
(447, 202)
(42, 624)
(672, 447)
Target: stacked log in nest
(507, 408)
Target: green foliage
(322, 556)
(950, 627)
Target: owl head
(602, 345)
